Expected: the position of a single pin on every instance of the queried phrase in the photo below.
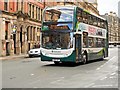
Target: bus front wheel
(84, 58)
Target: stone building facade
(20, 26)
(20, 23)
(113, 27)
(119, 9)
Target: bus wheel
(103, 56)
(84, 58)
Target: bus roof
(92, 13)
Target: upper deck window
(58, 15)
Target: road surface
(32, 73)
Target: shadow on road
(73, 64)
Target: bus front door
(78, 47)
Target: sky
(105, 6)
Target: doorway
(14, 39)
(21, 39)
(7, 49)
(78, 46)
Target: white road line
(31, 74)
(112, 77)
(55, 81)
(35, 82)
(61, 78)
(113, 73)
(105, 63)
(35, 87)
(46, 62)
(103, 78)
(89, 85)
(102, 86)
(97, 68)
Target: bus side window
(105, 24)
(79, 16)
(84, 15)
(98, 22)
(100, 42)
(85, 39)
(94, 21)
(90, 20)
(91, 42)
(102, 24)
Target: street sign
(14, 29)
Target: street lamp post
(44, 3)
(64, 2)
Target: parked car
(35, 51)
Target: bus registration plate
(55, 59)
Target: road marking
(105, 63)
(61, 78)
(113, 73)
(103, 78)
(34, 82)
(102, 86)
(111, 77)
(55, 81)
(31, 74)
(46, 62)
(35, 87)
(97, 68)
(89, 85)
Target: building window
(41, 14)
(17, 5)
(34, 34)
(32, 11)
(38, 13)
(6, 30)
(31, 33)
(28, 34)
(38, 34)
(22, 5)
(6, 5)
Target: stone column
(40, 13)
(11, 43)
(36, 33)
(18, 48)
(1, 37)
(31, 10)
(24, 42)
(29, 28)
(35, 12)
(3, 48)
(19, 5)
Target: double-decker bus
(72, 34)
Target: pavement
(13, 57)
